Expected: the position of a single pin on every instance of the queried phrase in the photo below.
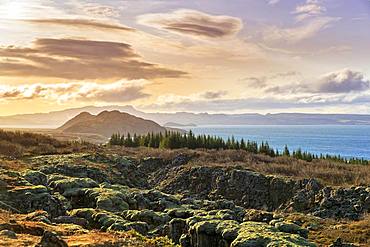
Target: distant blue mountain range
(58, 118)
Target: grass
(29, 233)
(329, 230)
(17, 144)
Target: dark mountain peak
(84, 114)
(107, 123)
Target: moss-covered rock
(99, 219)
(27, 199)
(258, 215)
(140, 227)
(70, 186)
(154, 219)
(35, 177)
(261, 234)
(177, 227)
(107, 199)
(290, 227)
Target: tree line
(176, 140)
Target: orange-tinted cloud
(121, 91)
(194, 23)
(81, 23)
(80, 60)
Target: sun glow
(13, 10)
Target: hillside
(137, 197)
(113, 196)
(107, 123)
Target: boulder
(36, 177)
(290, 227)
(8, 234)
(177, 227)
(258, 215)
(70, 220)
(51, 239)
(69, 186)
(28, 199)
(154, 219)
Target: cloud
(178, 100)
(121, 91)
(343, 81)
(267, 82)
(309, 9)
(99, 10)
(81, 24)
(268, 102)
(194, 23)
(256, 82)
(79, 60)
(291, 83)
(272, 2)
(213, 95)
(193, 104)
(299, 33)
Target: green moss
(154, 219)
(37, 189)
(70, 186)
(261, 234)
(108, 199)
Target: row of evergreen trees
(175, 140)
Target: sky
(237, 56)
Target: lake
(344, 140)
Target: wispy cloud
(100, 10)
(81, 24)
(193, 23)
(309, 9)
(80, 60)
(121, 91)
(299, 33)
(273, 2)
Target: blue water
(347, 141)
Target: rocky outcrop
(214, 229)
(246, 188)
(350, 203)
(29, 198)
(192, 206)
(101, 168)
(254, 190)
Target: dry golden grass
(113, 239)
(15, 165)
(29, 233)
(328, 230)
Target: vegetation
(111, 179)
(176, 140)
(29, 233)
(17, 144)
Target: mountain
(107, 123)
(177, 125)
(57, 118)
